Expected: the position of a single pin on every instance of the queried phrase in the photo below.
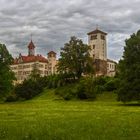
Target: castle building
(98, 51)
(24, 65)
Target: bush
(28, 89)
(68, 96)
(67, 92)
(11, 98)
(59, 80)
(86, 88)
(98, 89)
(112, 84)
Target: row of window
(21, 75)
(111, 66)
(29, 72)
(94, 37)
(29, 66)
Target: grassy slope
(45, 118)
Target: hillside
(47, 117)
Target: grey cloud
(53, 22)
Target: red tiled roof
(97, 31)
(31, 45)
(27, 59)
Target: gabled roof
(28, 59)
(31, 45)
(96, 31)
(51, 52)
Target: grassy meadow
(46, 117)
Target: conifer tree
(129, 70)
(6, 75)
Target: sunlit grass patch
(45, 118)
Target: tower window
(93, 37)
(102, 37)
(93, 46)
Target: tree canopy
(129, 70)
(6, 75)
(35, 75)
(75, 58)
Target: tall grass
(45, 118)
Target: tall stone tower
(52, 62)
(31, 49)
(98, 45)
(97, 42)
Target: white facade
(111, 68)
(22, 71)
(24, 65)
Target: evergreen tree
(6, 75)
(75, 58)
(129, 70)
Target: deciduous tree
(75, 58)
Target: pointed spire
(31, 48)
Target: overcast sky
(52, 22)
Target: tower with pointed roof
(31, 49)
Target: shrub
(68, 96)
(67, 92)
(28, 89)
(112, 84)
(85, 88)
(59, 80)
(11, 98)
(98, 89)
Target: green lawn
(47, 118)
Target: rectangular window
(112, 66)
(93, 37)
(102, 37)
(93, 47)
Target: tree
(35, 75)
(6, 75)
(75, 58)
(129, 70)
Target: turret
(31, 49)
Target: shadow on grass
(130, 104)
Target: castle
(98, 45)
(24, 65)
